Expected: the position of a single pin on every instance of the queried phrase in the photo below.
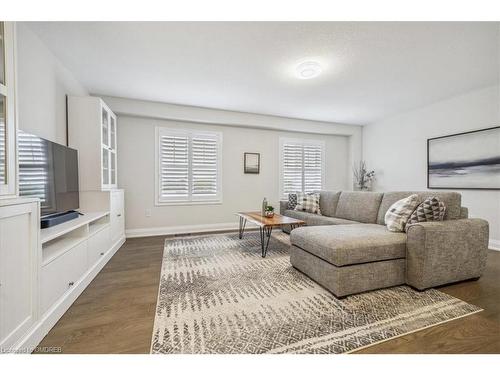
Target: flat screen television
(48, 171)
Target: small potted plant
(269, 211)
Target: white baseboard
(494, 245)
(50, 317)
(186, 229)
(181, 229)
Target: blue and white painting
(465, 161)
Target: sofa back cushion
(328, 201)
(452, 201)
(359, 206)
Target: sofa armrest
(443, 252)
(283, 207)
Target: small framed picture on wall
(251, 162)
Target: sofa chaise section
(348, 259)
(343, 245)
(347, 280)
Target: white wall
(42, 85)
(241, 192)
(167, 111)
(397, 147)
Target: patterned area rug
(217, 295)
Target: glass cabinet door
(112, 170)
(112, 133)
(105, 127)
(105, 166)
(108, 124)
(3, 119)
(3, 141)
(2, 54)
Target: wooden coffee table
(266, 225)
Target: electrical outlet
(148, 212)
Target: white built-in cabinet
(8, 168)
(75, 251)
(43, 271)
(19, 270)
(92, 131)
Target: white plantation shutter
(292, 160)
(204, 166)
(33, 168)
(302, 165)
(174, 167)
(188, 166)
(313, 167)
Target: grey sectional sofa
(349, 250)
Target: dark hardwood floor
(115, 313)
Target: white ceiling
(370, 70)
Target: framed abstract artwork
(251, 162)
(468, 160)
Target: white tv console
(68, 257)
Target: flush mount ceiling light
(308, 69)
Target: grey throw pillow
(308, 203)
(431, 209)
(398, 214)
(292, 201)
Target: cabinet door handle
(102, 254)
(119, 215)
(71, 283)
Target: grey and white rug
(217, 295)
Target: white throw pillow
(398, 214)
(308, 203)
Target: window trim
(300, 141)
(161, 130)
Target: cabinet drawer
(98, 245)
(61, 274)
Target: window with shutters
(188, 166)
(302, 165)
(33, 155)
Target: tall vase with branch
(362, 176)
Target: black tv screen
(48, 171)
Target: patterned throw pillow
(308, 203)
(292, 201)
(398, 214)
(431, 209)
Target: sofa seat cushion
(343, 245)
(313, 219)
